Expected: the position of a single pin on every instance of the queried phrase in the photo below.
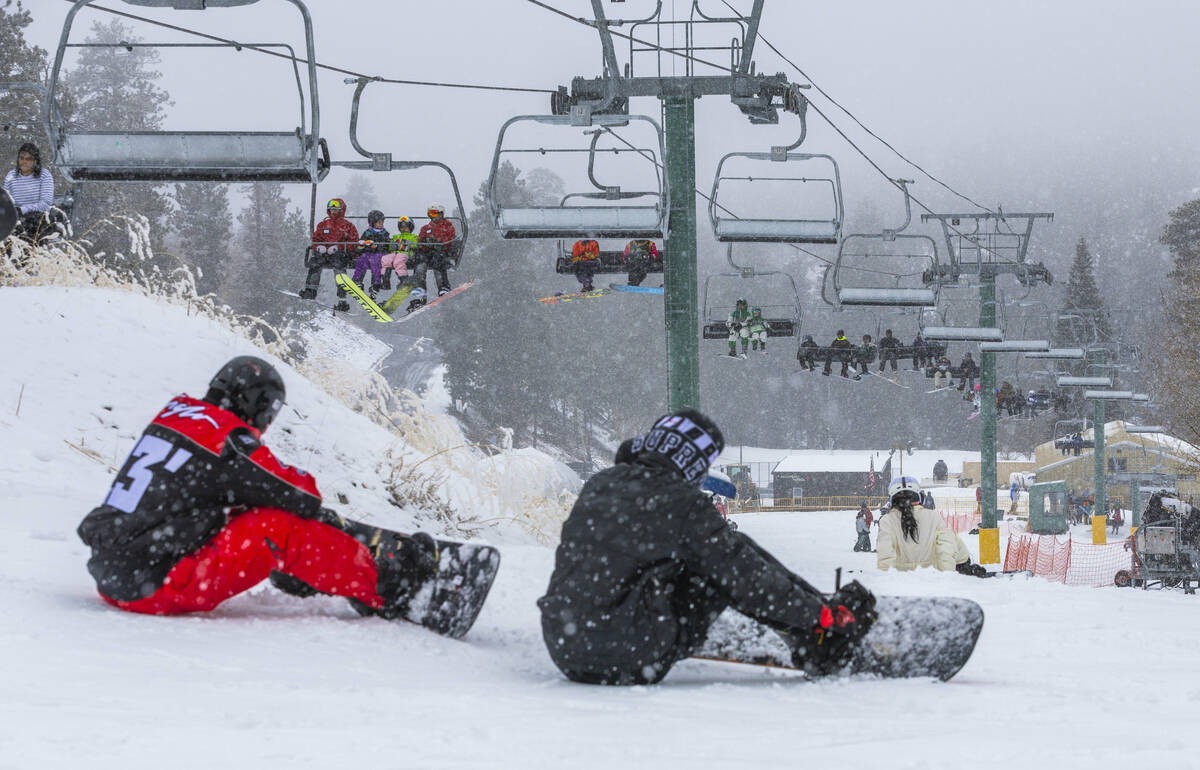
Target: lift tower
(755, 95)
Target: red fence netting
(1064, 560)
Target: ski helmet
(335, 204)
(740, 302)
(756, 311)
(437, 208)
(250, 388)
(375, 215)
(904, 487)
(688, 438)
(404, 222)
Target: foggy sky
(1086, 109)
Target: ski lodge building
(1159, 459)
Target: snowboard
(914, 638)
(636, 289)
(8, 214)
(451, 600)
(564, 297)
(939, 390)
(436, 301)
(364, 299)
(738, 357)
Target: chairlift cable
(860, 124)
(319, 65)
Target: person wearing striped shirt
(30, 185)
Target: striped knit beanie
(688, 438)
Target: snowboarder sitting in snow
(585, 256)
(374, 245)
(202, 511)
(911, 537)
(738, 325)
(329, 249)
(646, 564)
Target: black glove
(972, 570)
(845, 619)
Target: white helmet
(439, 208)
(906, 486)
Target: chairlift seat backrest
(155, 156)
(298, 155)
(581, 222)
(729, 228)
(888, 297)
(611, 220)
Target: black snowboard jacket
(637, 542)
(194, 466)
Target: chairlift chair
(782, 316)
(620, 213)
(383, 161)
(294, 155)
(611, 260)
(824, 227)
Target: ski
(364, 299)
(636, 289)
(738, 357)
(939, 390)
(436, 301)
(565, 297)
(895, 382)
(8, 214)
(295, 295)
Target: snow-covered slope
(1062, 677)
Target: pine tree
(1175, 357)
(1083, 319)
(19, 63)
(268, 251)
(117, 89)
(361, 198)
(202, 221)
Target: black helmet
(688, 438)
(250, 388)
(373, 216)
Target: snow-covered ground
(1062, 677)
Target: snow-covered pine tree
(1087, 319)
(1177, 354)
(117, 89)
(202, 221)
(20, 62)
(268, 249)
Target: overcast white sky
(1077, 107)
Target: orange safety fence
(1065, 560)
(962, 523)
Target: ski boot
(308, 293)
(404, 564)
(342, 305)
(418, 299)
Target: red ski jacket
(195, 466)
(335, 229)
(439, 230)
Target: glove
(971, 570)
(845, 619)
(321, 250)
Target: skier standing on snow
(202, 511)
(646, 564)
(911, 537)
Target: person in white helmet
(911, 535)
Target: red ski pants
(248, 548)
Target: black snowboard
(8, 214)
(450, 601)
(914, 637)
